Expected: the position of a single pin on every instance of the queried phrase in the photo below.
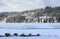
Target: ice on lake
(23, 28)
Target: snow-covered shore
(45, 33)
(16, 28)
(30, 38)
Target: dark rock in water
(7, 34)
(15, 34)
(30, 34)
(38, 34)
(22, 34)
(1, 36)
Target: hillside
(30, 15)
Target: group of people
(17, 35)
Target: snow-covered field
(47, 33)
(30, 38)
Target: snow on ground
(16, 28)
(30, 38)
(45, 33)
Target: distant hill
(18, 17)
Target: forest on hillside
(18, 17)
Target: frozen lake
(45, 33)
(29, 25)
(46, 30)
(30, 38)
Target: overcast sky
(22, 5)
